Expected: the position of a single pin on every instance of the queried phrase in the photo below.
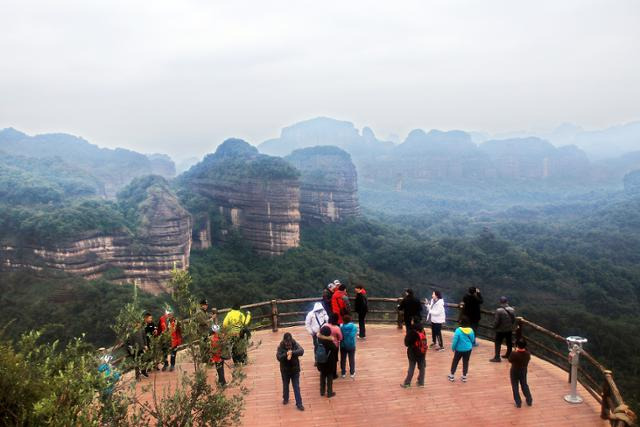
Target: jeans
(361, 317)
(344, 353)
(326, 379)
(519, 376)
(464, 355)
(421, 362)
(220, 370)
(436, 332)
(294, 378)
(475, 325)
(503, 336)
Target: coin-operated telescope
(575, 348)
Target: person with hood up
(463, 341)
(340, 302)
(362, 308)
(288, 354)
(471, 308)
(216, 354)
(437, 317)
(326, 358)
(416, 342)
(411, 307)
(503, 323)
(315, 320)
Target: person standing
(437, 317)
(136, 346)
(471, 308)
(176, 340)
(327, 294)
(336, 336)
(340, 302)
(150, 331)
(165, 338)
(411, 307)
(315, 320)
(288, 354)
(519, 360)
(236, 325)
(463, 341)
(326, 359)
(503, 323)
(348, 346)
(216, 354)
(362, 308)
(416, 342)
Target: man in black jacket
(411, 307)
(287, 354)
(471, 310)
(362, 308)
(503, 323)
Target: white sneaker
(344, 376)
(451, 378)
(464, 378)
(353, 375)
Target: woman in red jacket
(216, 353)
(169, 324)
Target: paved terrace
(375, 398)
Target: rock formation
(255, 194)
(329, 184)
(145, 254)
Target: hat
(215, 328)
(336, 282)
(330, 285)
(503, 300)
(204, 301)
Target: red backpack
(421, 344)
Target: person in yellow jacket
(236, 325)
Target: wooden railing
(545, 344)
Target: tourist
(111, 376)
(519, 360)
(437, 317)
(362, 308)
(236, 326)
(348, 346)
(136, 345)
(327, 294)
(504, 321)
(216, 354)
(171, 327)
(416, 342)
(340, 302)
(463, 341)
(411, 308)
(471, 308)
(288, 354)
(315, 320)
(150, 331)
(165, 338)
(336, 336)
(203, 319)
(326, 356)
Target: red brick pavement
(375, 398)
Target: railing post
(214, 315)
(518, 328)
(400, 315)
(604, 407)
(274, 315)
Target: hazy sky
(180, 76)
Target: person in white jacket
(315, 320)
(437, 317)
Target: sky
(180, 76)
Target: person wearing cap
(216, 354)
(170, 327)
(202, 319)
(503, 323)
(165, 339)
(288, 354)
(328, 366)
(327, 293)
(411, 308)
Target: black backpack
(321, 353)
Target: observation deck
(374, 397)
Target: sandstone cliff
(254, 194)
(145, 253)
(329, 184)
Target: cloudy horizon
(180, 77)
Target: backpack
(348, 336)
(421, 344)
(321, 353)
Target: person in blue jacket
(463, 341)
(348, 346)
